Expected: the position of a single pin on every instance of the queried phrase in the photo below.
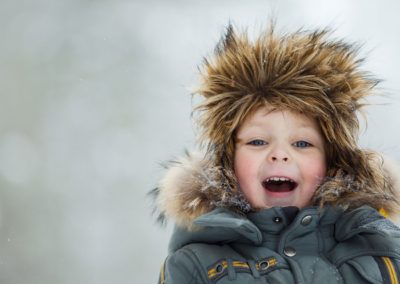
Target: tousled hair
(305, 72)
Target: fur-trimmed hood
(192, 186)
(304, 71)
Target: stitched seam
(392, 272)
(343, 259)
(395, 268)
(196, 263)
(383, 270)
(240, 267)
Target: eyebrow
(309, 129)
(305, 126)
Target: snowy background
(96, 94)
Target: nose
(275, 159)
(278, 154)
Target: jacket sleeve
(181, 268)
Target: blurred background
(95, 95)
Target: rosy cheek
(243, 168)
(241, 171)
(245, 164)
(319, 172)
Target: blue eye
(302, 144)
(257, 142)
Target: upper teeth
(278, 179)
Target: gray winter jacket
(326, 246)
(219, 239)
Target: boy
(283, 193)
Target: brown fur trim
(379, 190)
(192, 186)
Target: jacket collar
(224, 226)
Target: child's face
(279, 158)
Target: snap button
(289, 251)
(277, 220)
(219, 268)
(306, 220)
(264, 265)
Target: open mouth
(279, 184)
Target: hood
(192, 186)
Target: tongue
(278, 186)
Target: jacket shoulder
(364, 232)
(180, 267)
